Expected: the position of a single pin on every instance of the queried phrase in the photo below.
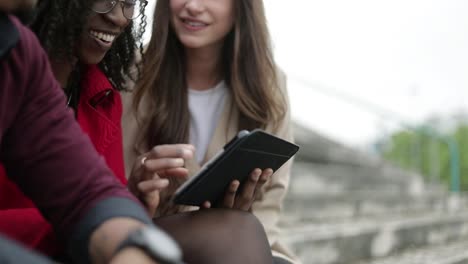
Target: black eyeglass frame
(114, 3)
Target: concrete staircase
(347, 207)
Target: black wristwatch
(156, 243)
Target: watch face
(161, 243)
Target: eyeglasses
(131, 9)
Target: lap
(208, 236)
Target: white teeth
(194, 24)
(102, 36)
(108, 37)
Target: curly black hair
(59, 24)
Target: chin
(91, 60)
(192, 46)
(192, 43)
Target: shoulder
(28, 47)
(26, 63)
(9, 36)
(28, 59)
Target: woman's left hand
(151, 171)
(243, 199)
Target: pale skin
(151, 170)
(203, 46)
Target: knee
(241, 222)
(237, 217)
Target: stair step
(452, 253)
(327, 206)
(348, 241)
(310, 177)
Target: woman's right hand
(151, 170)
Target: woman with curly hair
(208, 73)
(91, 45)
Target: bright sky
(407, 56)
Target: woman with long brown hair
(209, 72)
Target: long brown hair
(248, 67)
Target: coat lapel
(99, 109)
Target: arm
(48, 157)
(10, 252)
(105, 239)
(146, 168)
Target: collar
(9, 35)
(95, 86)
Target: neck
(203, 68)
(62, 71)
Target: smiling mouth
(105, 37)
(194, 24)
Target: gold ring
(143, 160)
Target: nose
(117, 17)
(194, 7)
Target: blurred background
(379, 93)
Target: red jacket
(99, 115)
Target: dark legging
(218, 236)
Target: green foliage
(430, 156)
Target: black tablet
(238, 158)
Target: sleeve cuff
(11, 252)
(102, 211)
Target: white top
(205, 110)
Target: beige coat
(267, 208)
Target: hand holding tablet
(236, 161)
